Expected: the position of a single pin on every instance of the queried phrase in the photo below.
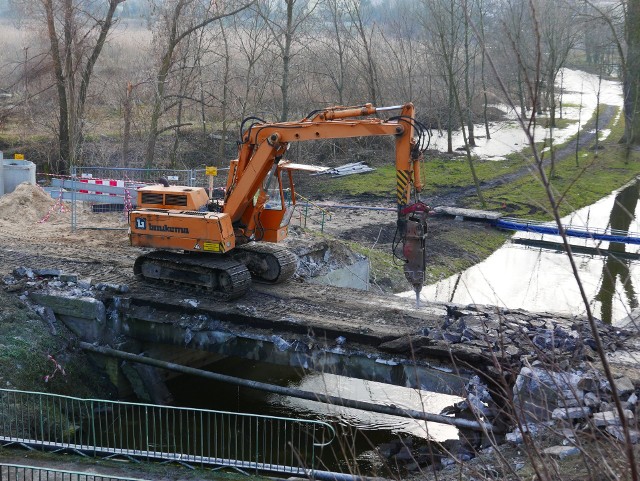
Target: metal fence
(16, 472)
(112, 190)
(116, 191)
(176, 176)
(147, 431)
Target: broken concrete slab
(561, 452)
(611, 418)
(82, 307)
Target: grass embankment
(26, 343)
(575, 183)
(453, 246)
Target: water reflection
(363, 430)
(541, 279)
(615, 268)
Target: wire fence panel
(144, 176)
(111, 193)
(186, 435)
(16, 472)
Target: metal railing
(17, 472)
(306, 215)
(185, 435)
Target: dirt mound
(27, 203)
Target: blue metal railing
(192, 436)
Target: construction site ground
(35, 232)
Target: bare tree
(447, 24)
(285, 20)
(365, 33)
(180, 19)
(251, 36)
(442, 22)
(558, 37)
(77, 31)
(401, 39)
(337, 42)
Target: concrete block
(82, 307)
(571, 413)
(618, 434)
(610, 418)
(561, 452)
(624, 386)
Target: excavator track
(225, 278)
(268, 263)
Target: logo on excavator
(168, 228)
(141, 224)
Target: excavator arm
(263, 146)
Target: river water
(361, 430)
(541, 279)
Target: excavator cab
(273, 220)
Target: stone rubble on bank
(488, 334)
(550, 362)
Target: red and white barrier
(110, 182)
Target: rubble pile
(576, 399)
(54, 280)
(483, 334)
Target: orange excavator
(221, 244)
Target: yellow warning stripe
(402, 181)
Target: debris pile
(482, 334)
(573, 402)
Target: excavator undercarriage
(227, 276)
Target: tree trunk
(161, 77)
(631, 83)
(286, 62)
(63, 121)
(126, 136)
(225, 94)
(467, 87)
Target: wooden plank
(467, 213)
